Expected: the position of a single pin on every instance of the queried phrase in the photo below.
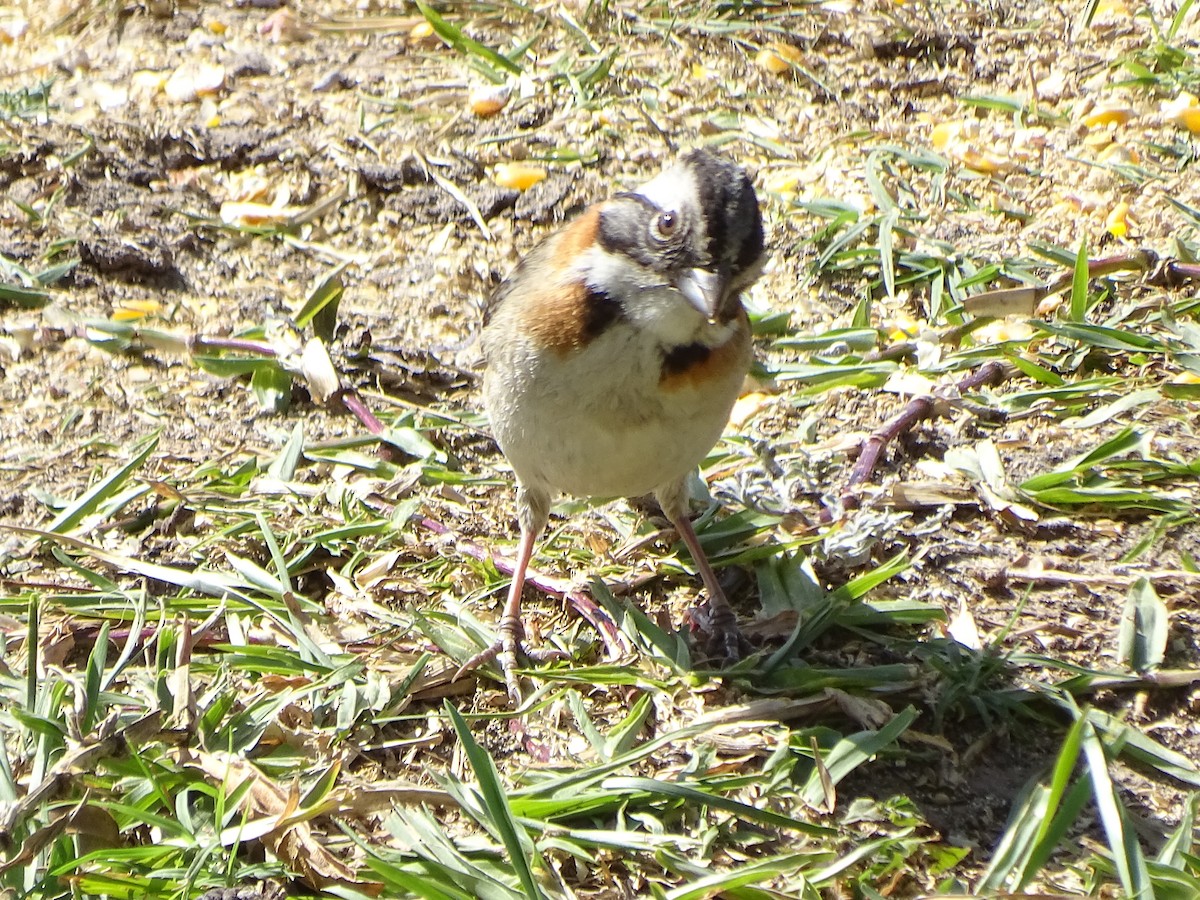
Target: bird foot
(504, 651)
(719, 636)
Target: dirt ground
(358, 134)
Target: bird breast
(621, 419)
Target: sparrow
(613, 354)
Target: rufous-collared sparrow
(614, 353)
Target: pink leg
(532, 509)
(510, 630)
(725, 637)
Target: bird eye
(665, 225)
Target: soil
(363, 131)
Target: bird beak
(705, 289)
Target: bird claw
(719, 635)
(504, 651)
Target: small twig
(1159, 679)
(350, 399)
(1173, 273)
(1051, 576)
(951, 336)
(917, 410)
(201, 342)
(1024, 300)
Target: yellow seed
(981, 162)
(1001, 330)
(489, 100)
(771, 61)
(782, 182)
(1119, 154)
(1190, 119)
(486, 107)
(147, 82)
(250, 214)
(943, 133)
(904, 329)
(1186, 378)
(777, 57)
(12, 27)
(518, 175)
(1108, 115)
(1049, 306)
(1111, 8)
(218, 27)
(746, 407)
(420, 32)
(1117, 221)
(130, 310)
(1184, 110)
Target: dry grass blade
(1003, 430)
(274, 815)
(215, 584)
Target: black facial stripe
(602, 310)
(625, 231)
(621, 233)
(680, 358)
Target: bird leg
(533, 511)
(725, 640)
(510, 630)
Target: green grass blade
(725, 883)
(285, 464)
(321, 304)
(1079, 284)
(692, 795)
(1122, 840)
(518, 844)
(1181, 841)
(453, 36)
(853, 751)
(887, 251)
(103, 489)
(1145, 623)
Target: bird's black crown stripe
(752, 248)
(730, 205)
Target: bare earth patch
(232, 609)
